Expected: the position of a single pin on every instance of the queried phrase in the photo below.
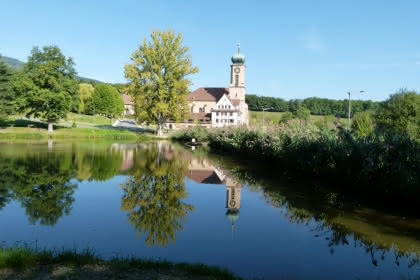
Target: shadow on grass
(23, 123)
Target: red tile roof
(204, 177)
(207, 94)
(235, 101)
(127, 99)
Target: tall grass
(376, 167)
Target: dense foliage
(379, 167)
(316, 106)
(106, 101)
(400, 115)
(6, 94)
(158, 79)
(47, 87)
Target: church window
(217, 120)
(217, 113)
(231, 120)
(200, 110)
(231, 114)
(236, 80)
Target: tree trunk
(160, 130)
(50, 127)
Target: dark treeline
(317, 106)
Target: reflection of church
(203, 172)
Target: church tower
(237, 76)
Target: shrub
(374, 167)
(186, 135)
(362, 125)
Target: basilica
(219, 107)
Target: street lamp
(349, 93)
(265, 109)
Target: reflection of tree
(42, 184)
(154, 195)
(40, 178)
(321, 212)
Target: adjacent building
(219, 107)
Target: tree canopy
(85, 93)
(6, 95)
(400, 114)
(47, 86)
(158, 80)
(107, 101)
(316, 105)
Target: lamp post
(349, 120)
(265, 109)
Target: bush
(186, 135)
(362, 125)
(374, 167)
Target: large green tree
(158, 80)
(400, 114)
(47, 85)
(85, 93)
(107, 101)
(6, 95)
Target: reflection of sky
(263, 242)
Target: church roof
(207, 94)
(127, 99)
(204, 177)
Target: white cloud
(312, 39)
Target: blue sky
(294, 49)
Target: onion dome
(237, 57)
(232, 215)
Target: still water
(158, 200)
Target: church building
(219, 107)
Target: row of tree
(316, 106)
(47, 88)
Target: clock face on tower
(237, 70)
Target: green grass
(68, 133)
(25, 129)
(24, 259)
(271, 118)
(79, 118)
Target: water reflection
(42, 185)
(154, 194)
(44, 177)
(203, 171)
(340, 222)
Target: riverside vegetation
(379, 159)
(24, 262)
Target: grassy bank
(68, 133)
(369, 169)
(27, 263)
(274, 118)
(27, 129)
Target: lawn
(29, 263)
(26, 129)
(271, 118)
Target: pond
(160, 200)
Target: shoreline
(25, 262)
(21, 133)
